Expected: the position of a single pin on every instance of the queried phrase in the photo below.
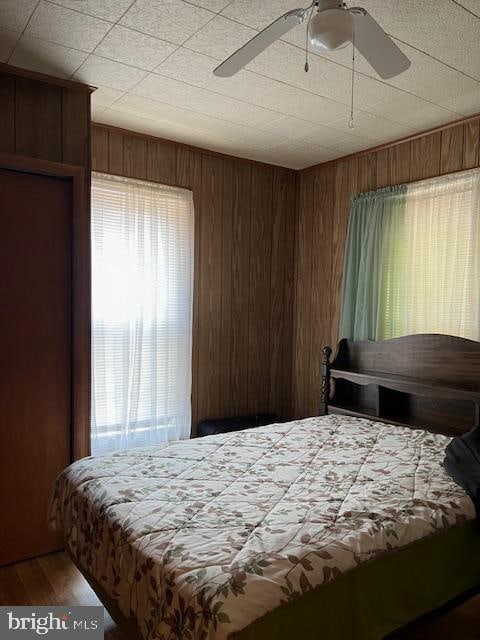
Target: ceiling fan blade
(259, 43)
(376, 46)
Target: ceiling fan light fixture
(330, 29)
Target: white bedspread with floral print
(199, 538)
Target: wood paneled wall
(45, 120)
(45, 127)
(244, 257)
(323, 210)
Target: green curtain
(374, 256)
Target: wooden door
(35, 356)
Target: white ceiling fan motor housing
(331, 27)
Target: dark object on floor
(236, 423)
(462, 463)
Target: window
(413, 260)
(142, 266)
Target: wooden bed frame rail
(429, 381)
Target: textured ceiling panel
(8, 39)
(164, 90)
(471, 5)
(102, 72)
(171, 20)
(136, 49)
(429, 26)
(290, 127)
(143, 107)
(103, 96)
(153, 62)
(111, 10)
(46, 57)
(213, 5)
(14, 14)
(69, 28)
(219, 38)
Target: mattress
(201, 538)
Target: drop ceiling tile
(428, 117)
(329, 79)
(171, 20)
(8, 40)
(468, 105)
(366, 125)
(244, 85)
(164, 90)
(226, 108)
(127, 121)
(14, 14)
(172, 131)
(296, 146)
(96, 111)
(190, 67)
(426, 78)
(169, 131)
(278, 159)
(227, 148)
(290, 127)
(284, 63)
(301, 104)
(257, 15)
(134, 48)
(246, 150)
(429, 79)
(296, 155)
(220, 38)
(189, 119)
(105, 97)
(46, 57)
(427, 26)
(363, 122)
(323, 155)
(199, 121)
(106, 73)
(351, 144)
(211, 5)
(111, 10)
(402, 106)
(203, 139)
(327, 137)
(69, 28)
(389, 131)
(142, 107)
(465, 105)
(368, 92)
(259, 139)
(471, 5)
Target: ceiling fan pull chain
(351, 122)
(307, 67)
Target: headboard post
(325, 371)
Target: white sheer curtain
(142, 274)
(433, 263)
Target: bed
(339, 526)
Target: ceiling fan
(331, 25)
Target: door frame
(81, 289)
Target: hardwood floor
(54, 579)
(50, 580)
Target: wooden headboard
(427, 381)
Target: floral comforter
(199, 538)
